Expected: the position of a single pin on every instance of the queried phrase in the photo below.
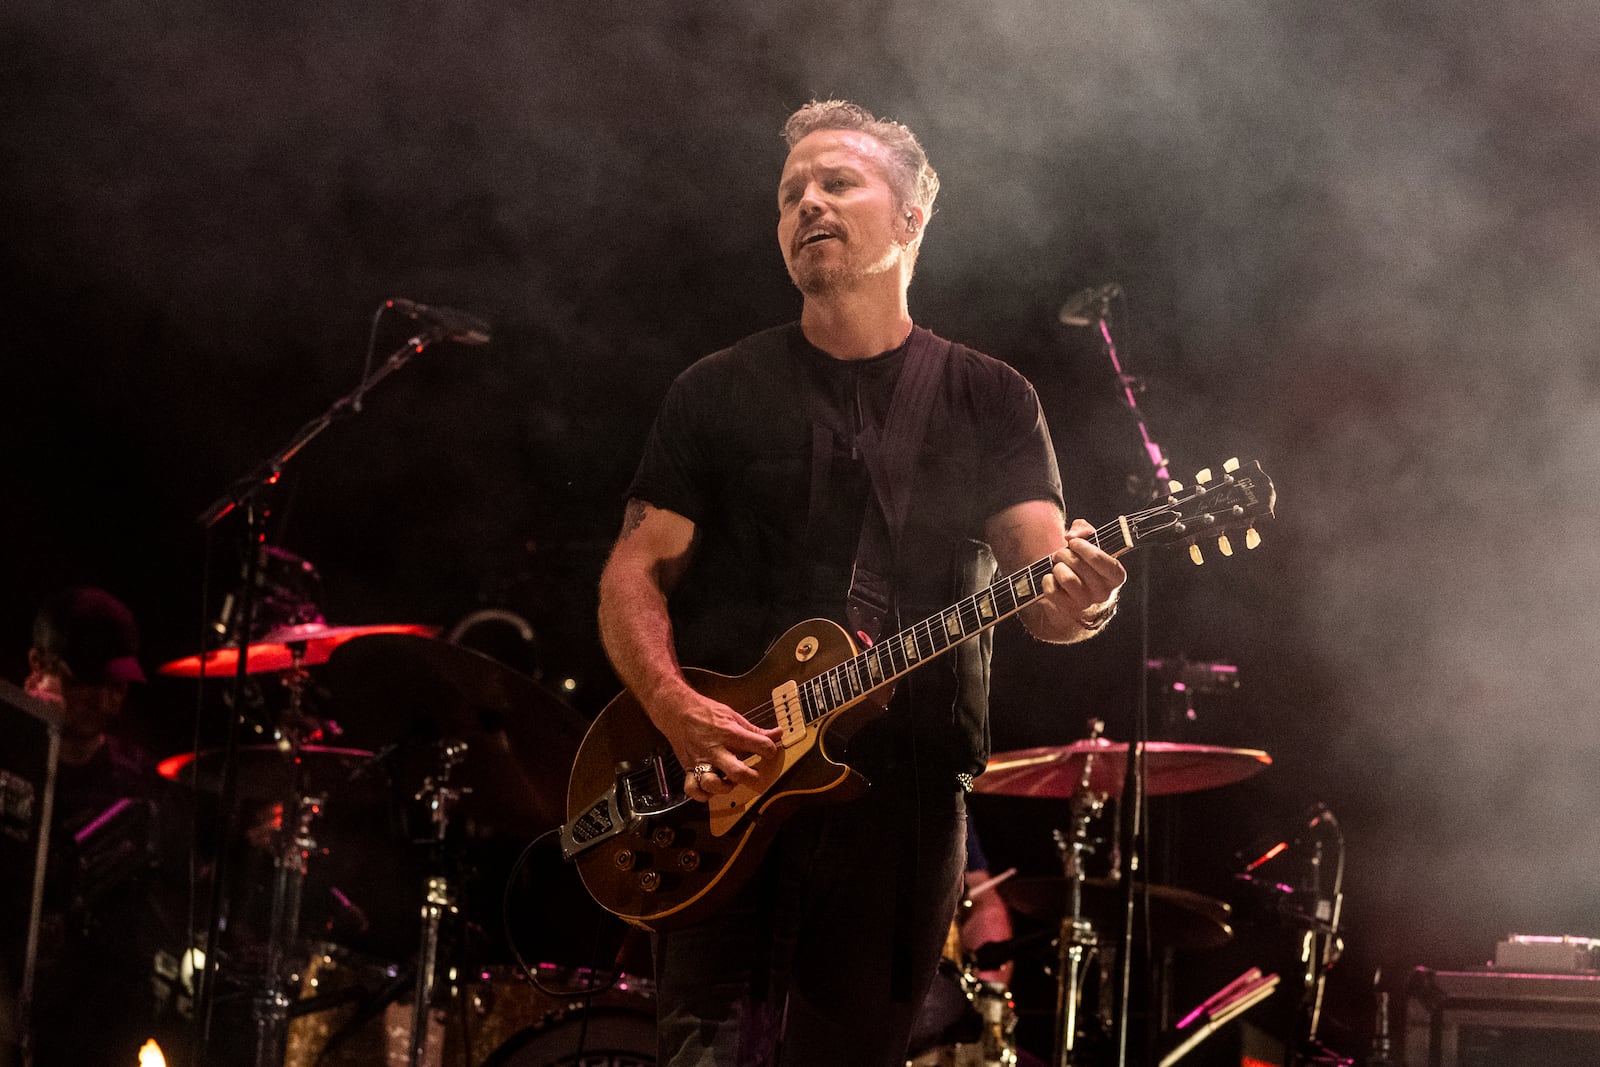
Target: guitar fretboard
(895, 656)
(1211, 507)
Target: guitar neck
(896, 656)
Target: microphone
(1086, 305)
(457, 325)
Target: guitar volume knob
(663, 836)
(624, 859)
(650, 881)
(688, 859)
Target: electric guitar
(656, 858)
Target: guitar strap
(890, 460)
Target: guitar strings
(838, 677)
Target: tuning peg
(1174, 486)
(1231, 465)
(1203, 476)
(1224, 545)
(1194, 554)
(1251, 538)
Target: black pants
(825, 957)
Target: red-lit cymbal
(312, 642)
(266, 771)
(1100, 766)
(521, 738)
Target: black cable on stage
(590, 989)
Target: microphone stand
(272, 1012)
(205, 993)
(1133, 818)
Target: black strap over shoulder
(890, 459)
(890, 462)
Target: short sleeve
(1020, 452)
(678, 468)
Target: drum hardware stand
(1320, 925)
(1077, 942)
(439, 894)
(270, 1007)
(1320, 943)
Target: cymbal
(1179, 918)
(1170, 767)
(311, 642)
(410, 692)
(266, 771)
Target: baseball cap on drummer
(93, 632)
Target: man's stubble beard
(823, 279)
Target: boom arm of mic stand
(1151, 449)
(269, 471)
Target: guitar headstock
(1211, 508)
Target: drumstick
(989, 883)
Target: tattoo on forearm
(632, 518)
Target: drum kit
(399, 766)
(971, 1023)
(390, 716)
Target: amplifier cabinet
(1491, 1018)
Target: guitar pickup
(791, 714)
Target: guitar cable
(590, 988)
(589, 992)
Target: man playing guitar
(767, 464)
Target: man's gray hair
(913, 180)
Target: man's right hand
(711, 741)
(650, 554)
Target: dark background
(1358, 241)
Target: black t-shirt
(732, 450)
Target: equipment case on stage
(1496, 1018)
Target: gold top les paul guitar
(657, 859)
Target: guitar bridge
(633, 798)
(605, 818)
